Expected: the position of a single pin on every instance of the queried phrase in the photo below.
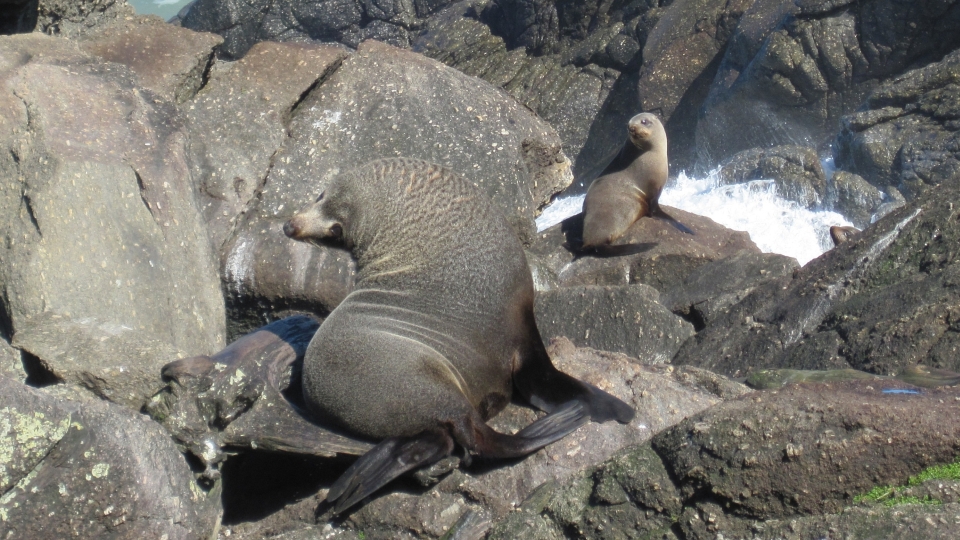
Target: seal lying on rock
(438, 330)
(629, 188)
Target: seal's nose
(290, 229)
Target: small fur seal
(438, 331)
(840, 234)
(629, 188)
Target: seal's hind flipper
(551, 428)
(659, 213)
(548, 389)
(386, 461)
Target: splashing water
(775, 224)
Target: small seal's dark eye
(320, 198)
(336, 230)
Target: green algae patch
(25, 437)
(890, 495)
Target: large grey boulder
(712, 289)
(74, 466)
(385, 102)
(240, 120)
(627, 319)
(882, 302)
(102, 219)
(812, 64)
(905, 135)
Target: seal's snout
(290, 229)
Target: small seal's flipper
(548, 388)
(658, 212)
(386, 461)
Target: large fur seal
(438, 330)
(629, 188)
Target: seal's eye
(336, 231)
(320, 198)
(645, 122)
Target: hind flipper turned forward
(548, 388)
(397, 455)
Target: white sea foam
(775, 224)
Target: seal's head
(645, 130)
(321, 223)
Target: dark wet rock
(383, 102)
(104, 229)
(906, 133)
(789, 80)
(214, 405)
(809, 449)
(893, 200)
(170, 61)
(627, 319)
(652, 251)
(709, 291)
(858, 200)
(681, 56)
(795, 170)
(879, 303)
(79, 467)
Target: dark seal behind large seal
(438, 330)
(629, 188)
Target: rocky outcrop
(105, 239)
(837, 311)
(764, 465)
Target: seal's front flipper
(659, 213)
(386, 461)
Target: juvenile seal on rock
(438, 331)
(629, 188)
